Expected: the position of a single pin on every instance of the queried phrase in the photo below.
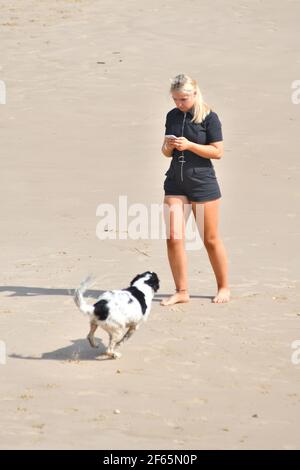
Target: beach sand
(87, 91)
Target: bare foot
(222, 296)
(178, 297)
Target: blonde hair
(184, 83)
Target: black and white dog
(119, 312)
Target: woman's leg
(215, 248)
(175, 215)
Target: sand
(77, 133)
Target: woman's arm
(167, 148)
(212, 150)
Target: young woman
(193, 138)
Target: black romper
(189, 174)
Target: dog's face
(149, 278)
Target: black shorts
(197, 183)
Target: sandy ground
(76, 133)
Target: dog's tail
(79, 300)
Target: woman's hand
(181, 143)
(169, 143)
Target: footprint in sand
(50, 386)
(176, 309)
(26, 396)
(39, 426)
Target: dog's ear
(153, 282)
(139, 276)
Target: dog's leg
(115, 338)
(127, 335)
(91, 336)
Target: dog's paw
(113, 354)
(116, 355)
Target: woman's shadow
(26, 291)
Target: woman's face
(184, 101)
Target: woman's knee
(175, 239)
(210, 241)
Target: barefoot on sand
(222, 296)
(178, 297)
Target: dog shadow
(22, 291)
(79, 350)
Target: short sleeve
(213, 128)
(167, 125)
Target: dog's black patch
(153, 282)
(139, 296)
(139, 276)
(101, 309)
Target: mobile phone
(170, 136)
